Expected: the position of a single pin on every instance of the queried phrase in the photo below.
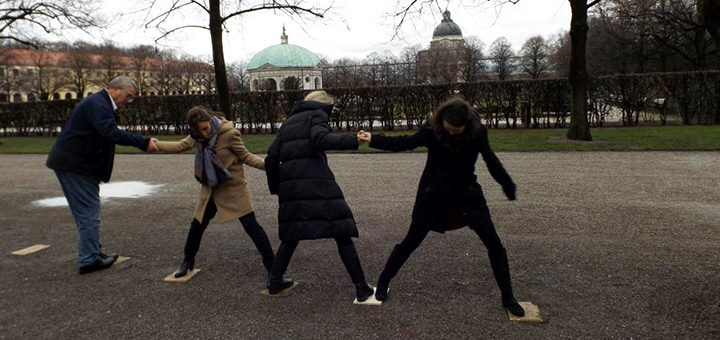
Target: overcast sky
(353, 29)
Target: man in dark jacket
(83, 156)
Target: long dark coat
(312, 206)
(448, 195)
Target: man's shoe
(111, 255)
(99, 264)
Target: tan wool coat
(232, 197)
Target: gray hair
(122, 82)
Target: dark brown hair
(457, 112)
(199, 114)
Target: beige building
(32, 75)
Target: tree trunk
(221, 81)
(579, 126)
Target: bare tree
(110, 63)
(20, 18)
(409, 60)
(164, 73)
(473, 60)
(141, 63)
(534, 57)
(46, 79)
(217, 13)
(238, 76)
(79, 63)
(11, 79)
(408, 10)
(502, 56)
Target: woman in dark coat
(312, 206)
(449, 196)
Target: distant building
(31, 75)
(285, 67)
(443, 61)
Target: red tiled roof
(25, 57)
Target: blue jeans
(83, 196)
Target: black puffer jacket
(312, 206)
(448, 185)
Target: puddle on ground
(134, 189)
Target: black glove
(509, 190)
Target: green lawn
(655, 138)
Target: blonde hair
(319, 96)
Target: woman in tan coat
(219, 168)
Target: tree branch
(179, 28)
(593, 3)
(288, 8)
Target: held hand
(152, 146)
(364, 136)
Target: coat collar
(311, 105)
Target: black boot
(276, 277)
(501, 269)
(277, 286)
(363, 291)
(192, 245)
(381, 291)
(512, 305)
(185, 267)
(392, 266)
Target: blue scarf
(209, 170)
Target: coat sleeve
(183, 145)
(103, 121)
(322, 138)
(402, 143)
(245, 156)
(497, 171)
(272, 166)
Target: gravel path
(610, 245)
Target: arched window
(255, 85)
(31, 97)
(152, 93)
(68, 95)
(317, 83)
(56, 96)
(17, 98)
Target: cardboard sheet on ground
(371, 301)
(532, 313)
(186, 278)
(283, 293)
(30, 250)
(120, 260)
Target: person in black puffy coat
(312, 206)
(449, 196)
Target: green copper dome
(284, 55)
(447, 27)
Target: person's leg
(83, 197)
(349, 256)
(499, 263)
(192, 245)
(277, 283)
(397, 258)
(260, 239)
